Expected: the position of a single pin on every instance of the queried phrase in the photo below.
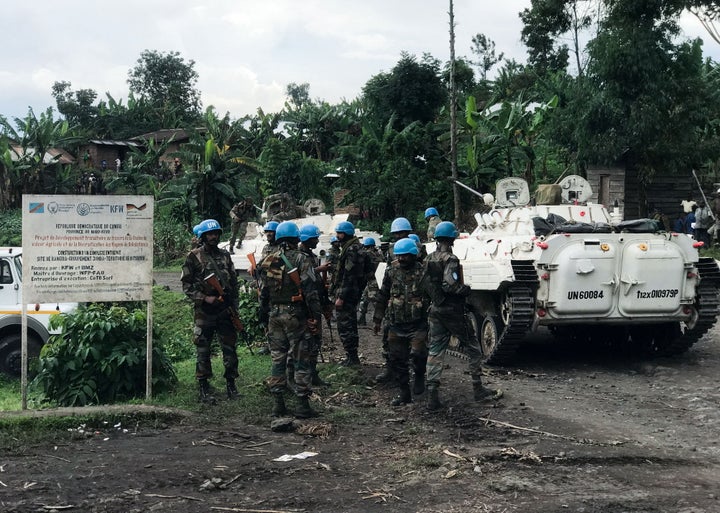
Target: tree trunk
(453, 118)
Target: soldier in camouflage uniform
(240, 214)
(211, 313)
(371, 289)
(309, 238)
(270, 247)
(348, 283)
(433, 219)
(400, 229)
(333, 255)
(447, 316)
(290, 308)
(403, 302)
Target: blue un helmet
(333, 239)
(414, 237)
(208, 225)
(309, 231)
(405, 247)
(287, 229)
(431, 211)
(368, 241)
(446, 229)
(400, 224)
(271, 226)
(195, 230)
(345, 227)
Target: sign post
(80, 248)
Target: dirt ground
(579, 429)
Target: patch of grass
(19, 433)
(424, 460)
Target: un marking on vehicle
(585, 294)
(657, 293)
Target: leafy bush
(173, 315)
(11, 228)
(100, 357)
(248, 306)
(172, 239)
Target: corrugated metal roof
(52, 156)
(110, 142)
(177, 134)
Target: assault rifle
(213, 281)
(254, 270)
(294, 275)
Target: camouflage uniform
(348, 283)
(267, 249)
(433, 221)
(325, 304)
(240, 214)
(332, 258)
(447, 315)
(288, 317)
(403, 302)
(210, 318)
(371, 289)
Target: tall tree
(484, 48)
(412, 91)
(77, 106)
(168, 83)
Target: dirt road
(578, 430)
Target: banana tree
(503, 138)
(26, 161)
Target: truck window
(18, 266)
(5, 274)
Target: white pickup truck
(11, 314)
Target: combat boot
(385, 376)
(317, 380)
(206, 396)
(304, 411)
(351, 360)
(279, 408)
(232, 392)
(433, 401)
(481, 393)
(403, 398)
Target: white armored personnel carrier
(578, 270)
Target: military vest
(408, 301)
(273, 272)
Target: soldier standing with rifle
(290, 308)
(213, 308)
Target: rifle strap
(216, 270)
(290, 268)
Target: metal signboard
(81, 248)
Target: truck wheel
(11, 353)
(490, 331)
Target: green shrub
(248, 306)
(99, 357)
(11, 228)
(171, 238)
(173, 316)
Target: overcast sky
(245, 51)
